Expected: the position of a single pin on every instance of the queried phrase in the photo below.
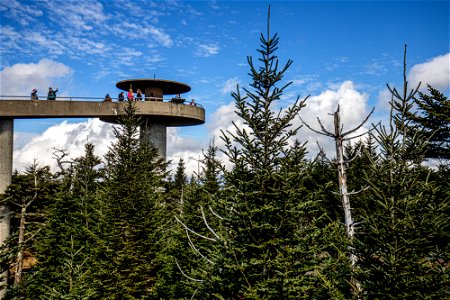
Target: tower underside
(156, 134)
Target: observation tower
(175, 112)
(156, 111)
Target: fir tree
(432, 120)
(403, 247)
(133, 215)
(180, 179)
(211, 169)
(264, 242)
(65, 250)
(28, 196)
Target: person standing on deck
(34, 95)
(130, 95)
(52, 94)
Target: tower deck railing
(76, 98)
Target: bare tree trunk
(343, 190)
(19, 259)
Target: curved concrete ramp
(171, 114)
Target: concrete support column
(6, 150)
(6, 158)
(155, 133)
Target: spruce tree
(133, 215)
(180, 179)
(432, 120)
(264, 242)
(403, 247)
(66, 249)
(29, 195)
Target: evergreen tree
(133, 215)
(433, 121)
(28, 196)
(264, 242)
(211, 169)
(180, 179)
(404, 242)
(65, 250)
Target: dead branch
(195, 248)
(184, 274)
(197, 234)
(312, 129)
(214, 213)
(207, 225)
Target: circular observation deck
(167, 87)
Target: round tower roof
(169, 87)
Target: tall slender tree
(66, 247)
(432, 120)
(133, 215)
(29, 196)
(263, 234)
(404, 247)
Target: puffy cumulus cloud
(384, 98)
(65, 136)
(185, 147)
(72, 137)
(222, 119)
(434, 72)
(353, 108)
(20, 79)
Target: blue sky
(343, 52)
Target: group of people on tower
(51, 94)
(130, 95)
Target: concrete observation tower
(170, 114)
(157, 113)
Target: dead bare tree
(340, 137)
(24, 204)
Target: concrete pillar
(6, 157)
(155, 133)
(6, 151)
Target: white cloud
(353, 108)
(20, 79)
(230, 85)
(138, 31)
(207, 50)
(434, 72)
(375, 68)
(222, 118)
(72, 137)
(20, 12)
(76, 16)
(384, 97)
(64, 136)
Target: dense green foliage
(403, 248)
(265, 224)
(432, 120)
